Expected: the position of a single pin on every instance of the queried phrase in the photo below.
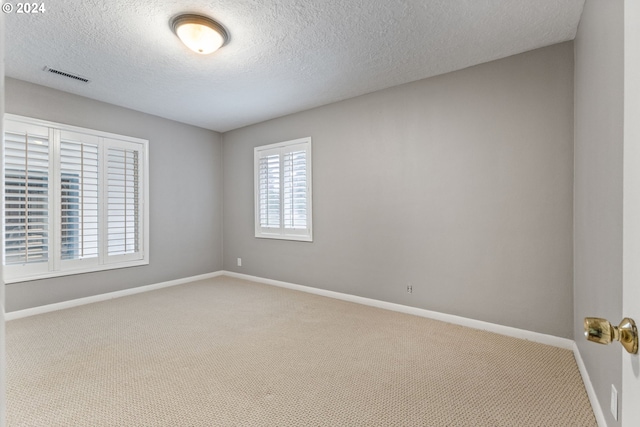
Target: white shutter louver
(295, 190)
(26, 196)
(79, 200)
(270, 191)
(123, 201)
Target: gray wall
(185, 222)
(599, 57)
(459, 184)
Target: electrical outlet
(409, 289)
(614, 402)
(239, 262)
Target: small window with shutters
(74, 200)
(283, 190)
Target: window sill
(285, 237)
(52, 274)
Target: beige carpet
(227, 352)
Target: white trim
(283, 144)
(19, 314)
(564, 343)
(591, 392)
(70, 271)
(471, 323)
(76, 129)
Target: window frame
(56, 266)
(283, 232)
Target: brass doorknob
(601, 331)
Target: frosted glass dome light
(199, 33)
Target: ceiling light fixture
(199, 33)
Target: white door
(2, 352)
(630, 410)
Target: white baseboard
(449, 318)
(12, 315)
(591, 392)
(564, 343)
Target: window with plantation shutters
(283, 190)
(74, 200)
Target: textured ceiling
(284, 56)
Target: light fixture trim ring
(193, 18)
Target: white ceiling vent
(66, 74)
